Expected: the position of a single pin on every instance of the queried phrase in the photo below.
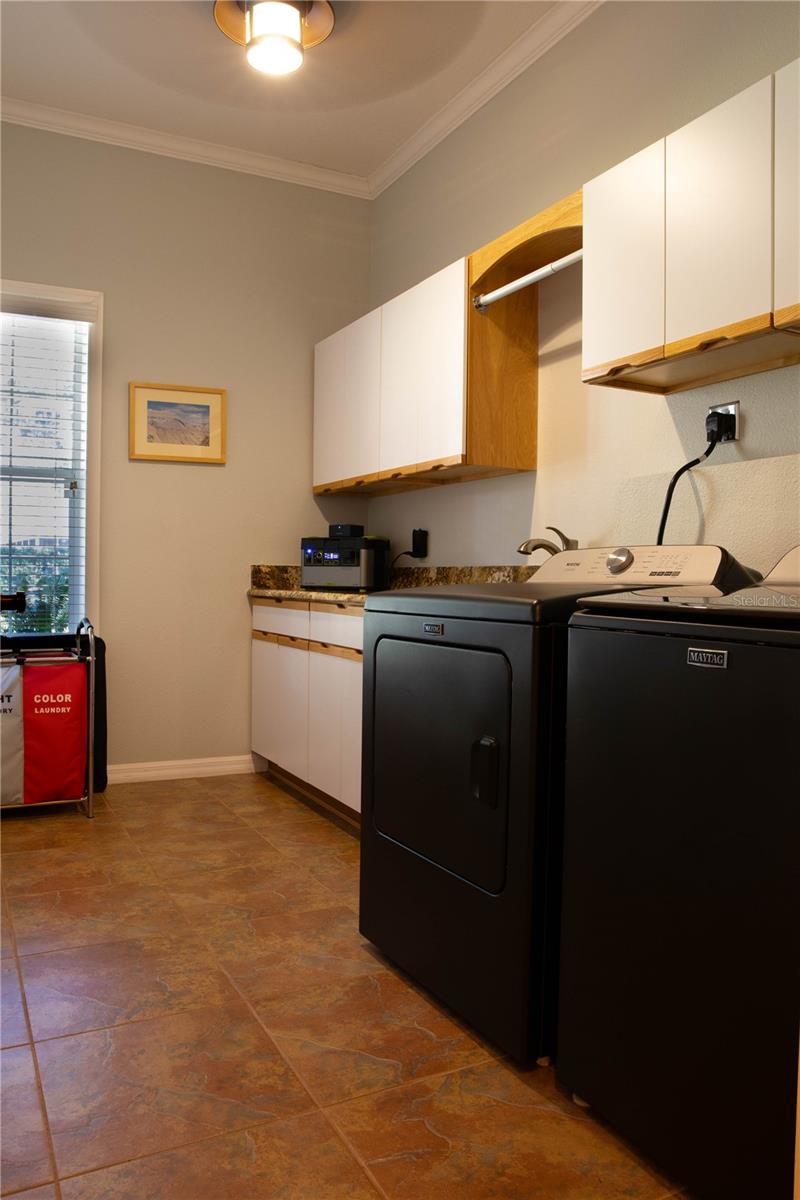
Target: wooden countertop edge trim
(788, 318)
(278, 602)
(343, 609)
(337, 651)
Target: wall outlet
(419, 543)
(733, 411)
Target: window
(45, 368)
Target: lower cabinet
(280, 702)
(334, 726)
(306, 711)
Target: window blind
(44, 368)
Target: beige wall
(210, 278)
(625, 77)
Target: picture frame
(172, 423)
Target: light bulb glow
(274, 39)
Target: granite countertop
(283, 583)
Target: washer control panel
(641, 566)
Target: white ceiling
(393, 79)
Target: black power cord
(720, 427)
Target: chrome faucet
(533, 544)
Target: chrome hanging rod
(482, 302)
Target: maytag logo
(432, 627)
(707, 658)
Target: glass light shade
(274, 39)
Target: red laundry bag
(55, 723)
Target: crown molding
(136, 137)
(554, 25)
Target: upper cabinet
(719, 221)
(623, 266)
(681, 246)
(444, 392)
(786, 303)
(347, 378)
(423, 377)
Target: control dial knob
(619, 560)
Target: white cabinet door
(330, 434)
(264, 698)
(423, 373)
(719, 216)
(290, 710)
(623, 260)
(361, 403)
(787, 186)
(324, 723)
(351, 675)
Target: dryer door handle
(485, 759)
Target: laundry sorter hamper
(53, 718)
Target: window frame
(75, 304)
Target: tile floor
(190, 1013)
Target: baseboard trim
(181, 768)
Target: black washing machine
(679, 993)
(462, 780)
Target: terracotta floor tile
(12, 1014)
(72, 991)
(183, 854)
(154, 792)
(339, 876)
(45, 829)
(24, 1156)
(293, 952)
(303, 841)
(236, 896)
(34, 871)
(121, 1093)
(482, 1134)
(6, 944)
(48, 1192)
(300, 1159)
(197, 815)
(361, 1035)
(86, 916)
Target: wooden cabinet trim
(711, 339)
(550, 234)
(621, 365)
(341, 608)
(277, 602)
(292, 643)
(788, 317)
(336, 651)
(259, 636)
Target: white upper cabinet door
(330, 435)
(719, 217)
(361, 402)
(423, 373)
(787, 186)
(623, 260)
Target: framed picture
(169, 423)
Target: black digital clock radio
(345, 561)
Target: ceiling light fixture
(275, 33)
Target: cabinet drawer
(337, 626)
(288, 617)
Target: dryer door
(441, 750)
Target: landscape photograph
(177, 424)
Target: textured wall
(626, 76)
(211, 278)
